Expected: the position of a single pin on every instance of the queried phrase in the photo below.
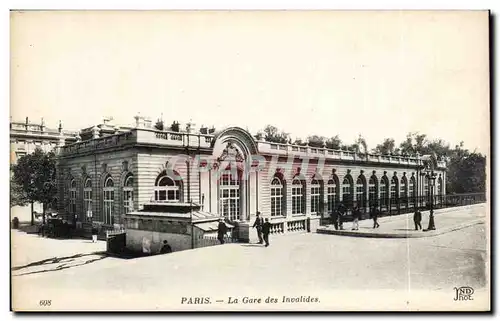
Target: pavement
(402, 226)
(335, 272)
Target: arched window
(72, 198)
(87, 198)
(439, 198)
(109, 198)
(315, 196)
(298, 201)
(394, 190)
(360, 192)
(346, 192)
(229, 200)
(383, 192)
(372, 191)
(412, 190)
(440, 186)
(426, 187)
(128, 194)
(331, 195)
(168, 188)
(402, 191)
(277, 197)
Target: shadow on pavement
(59, 263)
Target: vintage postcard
(250, 161)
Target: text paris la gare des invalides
(250, 300)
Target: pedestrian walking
(94, 234)
(166, 248)
(374, 213)
(335, 219)
(417, 218)
(341, 210)
(266, 229)
(356, 215)
(258, 225)
(221, 231)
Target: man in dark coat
(374, 215)
(221, 231)
(335, 219)
(341, 210)
(417, 218)
(266, 229)
(166, 248)
(258, 224)
(94, 233)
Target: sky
(378, 74)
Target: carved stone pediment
(230, 153)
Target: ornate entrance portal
(236, 179)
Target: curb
(400, 235)
(426, 212)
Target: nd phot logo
(463, 293)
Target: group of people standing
(338, 216)
(263, 230)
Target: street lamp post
(432, 179)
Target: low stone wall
(178, 242)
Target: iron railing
(396, 206)
(204, 241)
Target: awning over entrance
(211, 226)
(183, 211)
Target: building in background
(112, 170)
(25, 137)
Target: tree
(17, 195)
(272, 134)
(34, 177)
(466, 172)
(300, 142)
(413, 144)
(175, 127)
(387, 147)
(159, 125)
(333, 142)
(316, 141)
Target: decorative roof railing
(151, 137)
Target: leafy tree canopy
(273, 135)
(34, 178)
(159, 125)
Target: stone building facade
(231, 174)
(25, 137)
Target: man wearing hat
(221, 230)
(258, 224)
(266, 230)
